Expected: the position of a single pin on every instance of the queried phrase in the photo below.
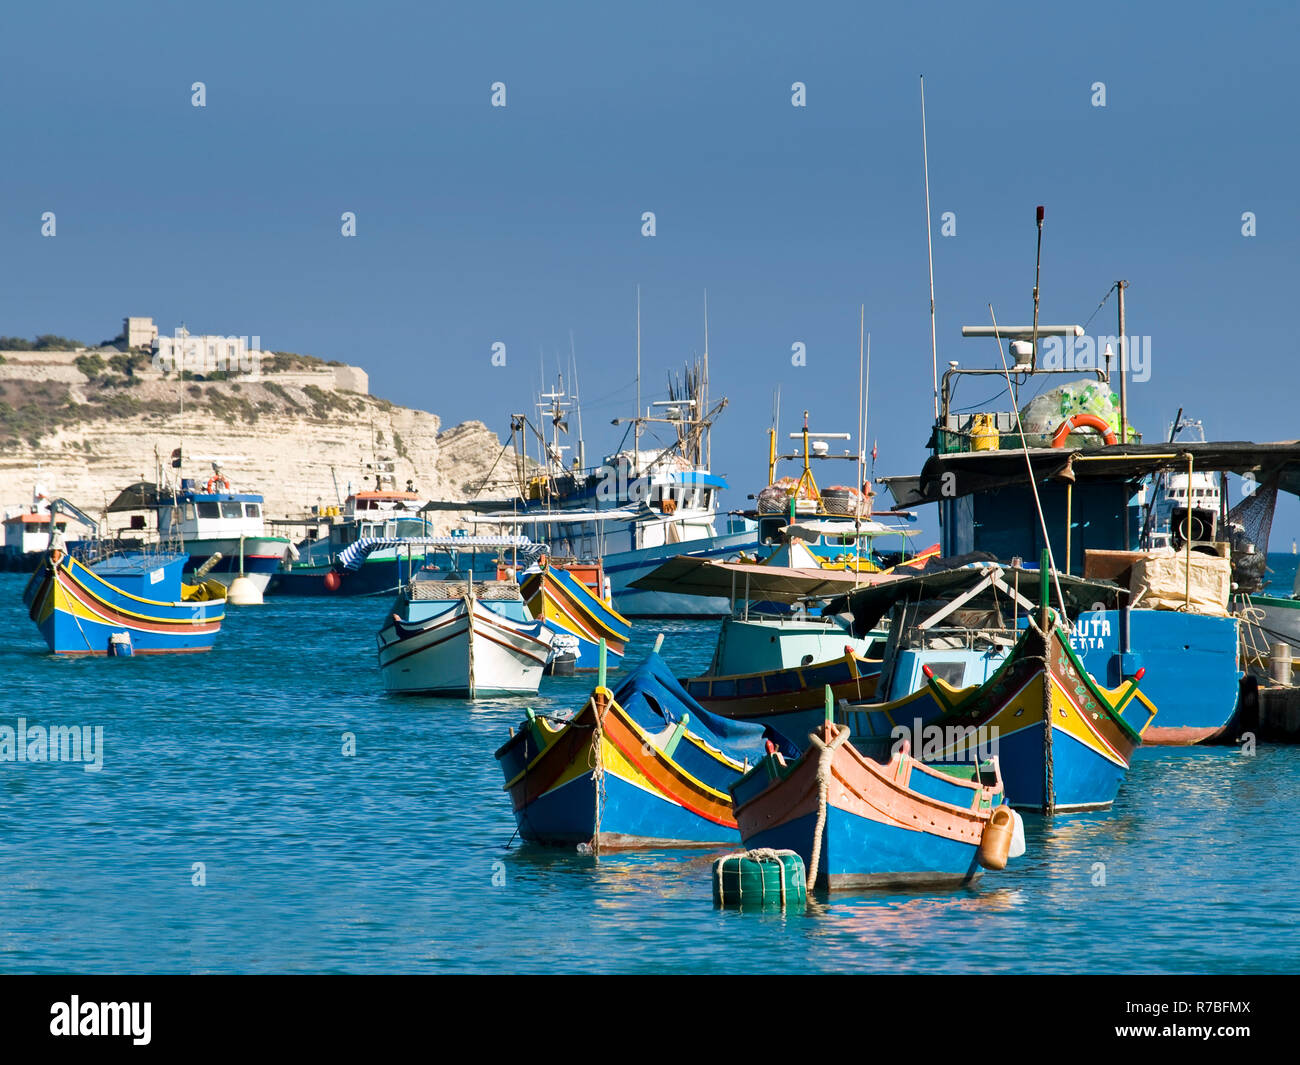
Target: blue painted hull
(377, 577)
(567, 815)
(1192, 673)
(78, 612)
(859, 852)
(1081, 778)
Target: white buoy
(243, 592)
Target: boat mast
(636, 423)
(577, 403)
(704, 404)
(862, 332)
(929, 244)
(857, 510)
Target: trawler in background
(1070, 460)
(27, 529)
(313, 567)
(221, 531)
(639, 508)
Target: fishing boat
(1065, 470)
(131, 603)
(859, 823)
(573, 599)
(772, 667)
(384, 513)
(452, 634)
(28, 530)
(644, 504)
(643, 766)
(972, 663)
(221, 531)
(835, 527)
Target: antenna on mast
(862, 332)
(929, 245)
(1038, 263)
(636, 424)
(577, 402)
(704, 404)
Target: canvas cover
(1160, 582)
(652, 697)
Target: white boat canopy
(353, 555)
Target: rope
(1049, 770)
(598, 773)
(823, 793)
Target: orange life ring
(668, 506)
(1081, 421)
(217, 479)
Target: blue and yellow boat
(860, 823)
(1078, 766)
(643, 766)
(572, 599)
(128, 603)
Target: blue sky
(478, 224)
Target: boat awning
(965, 473)
(865, 529)
(708, 480)
(352, 556)
(475, 506)
(563, 517)
(945, 578)
(687, 575)
(143, 495)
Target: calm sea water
(400, 858)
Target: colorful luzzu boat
(468, 639)
(1078, 766)
(570, 599)
(130, 603)
(643, 766)
(859, 823)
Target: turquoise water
(396, 859)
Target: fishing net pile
(1247, 530)
(1044, 414)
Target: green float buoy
(760, 879)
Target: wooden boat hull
(1094, 730)
(78, 613)
(466, 651)
(606, 778)
(897, 825)
(567, 605)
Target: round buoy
(760, 879)
(995, 844)
(333, 581)
(243, 592)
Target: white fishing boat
(452, 634)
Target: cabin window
(209, 510)
(189, 511)
(252, 510)
(951, 672)
(232, 510)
